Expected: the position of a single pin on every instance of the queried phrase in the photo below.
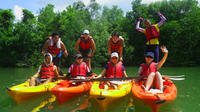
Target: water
(187, 99)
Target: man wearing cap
(113, 69)
(78, 68)
(85, 46)
(151, 69)
(55, 47)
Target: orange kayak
(155, 100)
(65, 90)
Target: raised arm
(138, 26)
(162, 61)
(163, 19)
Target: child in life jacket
(46, 72)
(79, 69)
(113, 69)
(151, 69)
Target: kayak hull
(65, 91)
(23, 92)
(106, 97)
(157, 99)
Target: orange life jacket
(85, 44)
(79, 69)
(47, 71)
(114, 71)
(147, 69)
(152, 32)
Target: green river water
(188, 97)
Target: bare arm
(124, 73)
(164, 49)
(44, 49)
(121, 48)
(109, 48)
(163, 19)
(76, 46)
(56, 71)
(48, 80)
(102, 74)
(138, 27)
(63, 48)
(93, 47)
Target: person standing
(55, 47)
(152, 33)
(116, 44)
(85, 46)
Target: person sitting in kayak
(113, 69)
(151, 69)
(55, 47)
(79, 69)
(85, 46)
(116, 44)
(46, 72)
(152, 33)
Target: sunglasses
(149, 57)
(114, 58)
(79, 58)
(86, 34)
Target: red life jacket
(114, 71)
(79, 69)
(47, 72)
(147, 69)
(115, 46)
(85, 44)
(151, 33)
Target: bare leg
(88, 62)
(159, 81)
(32, 82)
(150, 80)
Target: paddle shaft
(109, 79)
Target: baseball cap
(151, 54)
(114, 54)
(86, 32)
(78, 56)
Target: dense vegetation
(21, 42)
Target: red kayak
(65, 90)
(155, 100)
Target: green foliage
(21, 42)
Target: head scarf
(48, 54)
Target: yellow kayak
(106, 97)
(23, 92)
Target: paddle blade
(101, 98)
(160, 101)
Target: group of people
(85, 47)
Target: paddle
(109, 79)
(179, 76)
(176, 78)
